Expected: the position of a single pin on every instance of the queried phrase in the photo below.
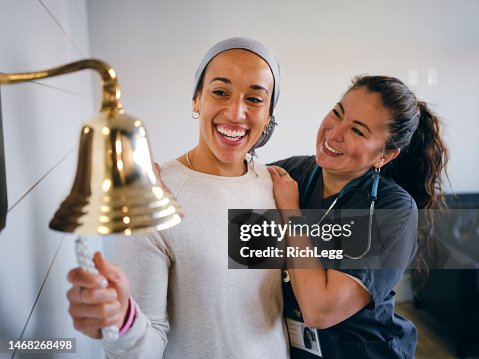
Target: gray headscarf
(259, 49)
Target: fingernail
(103, 283)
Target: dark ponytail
(421, 166)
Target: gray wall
(41, 122)
(156, 45)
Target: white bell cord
(86, 263)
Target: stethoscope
(347, 188)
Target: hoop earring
(195, 115)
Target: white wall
(41, 122)
(156, 45)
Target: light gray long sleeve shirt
(190, 305)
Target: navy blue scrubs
(375, 331)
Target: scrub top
(375, 331)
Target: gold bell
(115, 188)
